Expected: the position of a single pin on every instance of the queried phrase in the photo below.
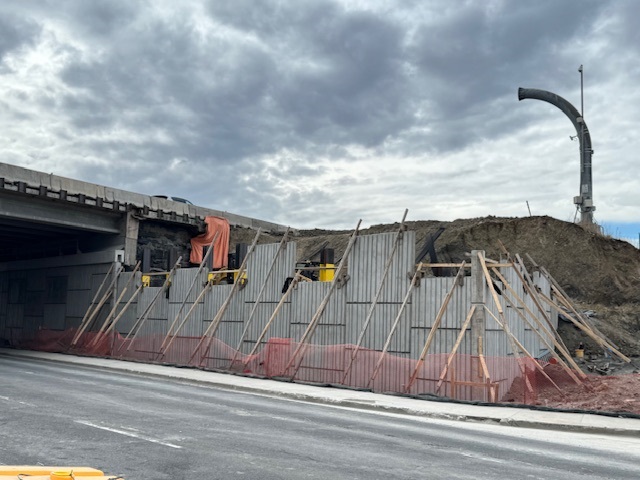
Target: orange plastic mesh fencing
(461, 377)
(61, 341)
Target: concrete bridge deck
(17, 179)
(44, 215)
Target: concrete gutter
(508, 416)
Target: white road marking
(127, 434)
(2, 397)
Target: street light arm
(585, 199)
(569, 110)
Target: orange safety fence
(461, 376)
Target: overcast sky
(315, 113)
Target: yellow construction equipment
(52, 473)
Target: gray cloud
(15, 32)
(256, 107)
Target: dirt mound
(619, 393)
(600, 273)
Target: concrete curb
(505, 416)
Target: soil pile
(600, 273)
(620, 393)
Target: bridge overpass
(44, 215)
(60, 237)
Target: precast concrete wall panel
(16, 299)
(328, 335)
(30, 327)
(30, 300)
(429, 296)
(334, 312)
(495, 342)
(15, 315)
(214, 300)
(34, 304)
(459, 305)
(526, 331)
(235, 313)
(182, 281)
(128, 319)
(4, 293)
(442, 342)
(516, 325)
(157, 312)
(36, 280)
(82, 283)
(545, 287)
(426, 299)
(305, 299)
(279, 327)
(54, 317)
(229, 329)
(3, 304)
(379, 327)
(229, 333)
(193, 327)
(85, 276)
(258, 271)
(78, 302)
(366, 267)
(532, 343)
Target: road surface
(154, 429)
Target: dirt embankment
(600, 273)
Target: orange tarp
(220, 247)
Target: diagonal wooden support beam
(599, 340)
(281, 248)
(454, 349)
(143, 318)
(112, 313)
(90, 316)
(505, 327)
(215, 323)
(414, 281)
(337, 279)
(91, 307)
(193, 283)
(517, 345)
(124, 309)
(292, 285)
(540, 326)
(165, 349)
(376, 297)
(434, 327)
(534, 294)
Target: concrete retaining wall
(24, 302)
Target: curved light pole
(584, 200)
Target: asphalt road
(154, 429)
